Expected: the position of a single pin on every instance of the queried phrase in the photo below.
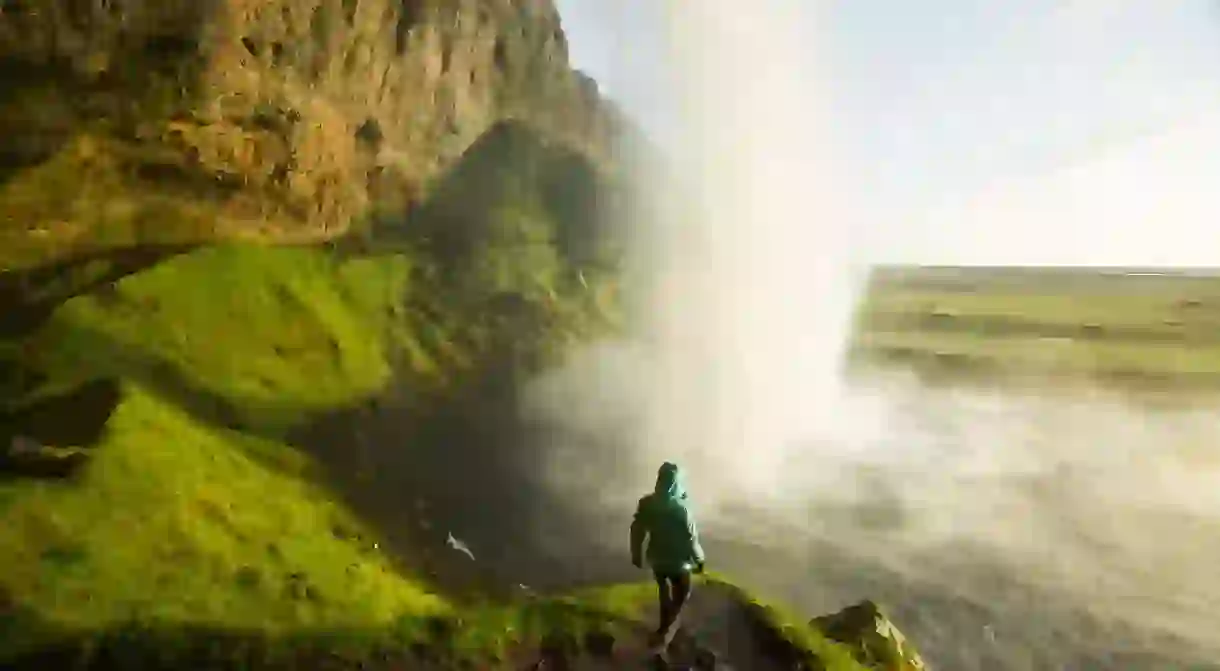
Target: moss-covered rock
(872, 637)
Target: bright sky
(987, 131)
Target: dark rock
(440, 629)
(45, 466)
(599, 643)
(248, 576)
(65, 554)
(296, 587)
(344, 532)
(370, 134)
(558, 651)
(76, 418)
(705, 660)
(771, 641)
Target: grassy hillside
(281, 331)
(184, 512)
(191, 519)
(163, 385)
(189, 510)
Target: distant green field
(1108, 323)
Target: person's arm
(639, 529)
(692, 531)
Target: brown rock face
(168, 121)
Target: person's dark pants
(672, 592)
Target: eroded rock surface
(277, 120)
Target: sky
(1061, 132)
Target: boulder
(871, 635)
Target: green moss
(277, 332)
(613, 609)
(180, 520)
(176, 519)
(163, 527)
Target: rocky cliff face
(168, 121)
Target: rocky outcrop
(169, 121)
(872, 637)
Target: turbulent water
(1022, 529)
(1046, 529)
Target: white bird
(459, 546)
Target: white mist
(752, 294)
(742, 286)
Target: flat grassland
(1160, 326)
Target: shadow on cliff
(76, 417)
(30, 641)
(28, 298)
(463, 463)
(418, 469)
(466, 465)
(511, 168)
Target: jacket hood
(669, 481)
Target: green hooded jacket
(662, 516)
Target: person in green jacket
(674, 551)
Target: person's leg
(681, 592)
(664, 600)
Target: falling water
(754, 284)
